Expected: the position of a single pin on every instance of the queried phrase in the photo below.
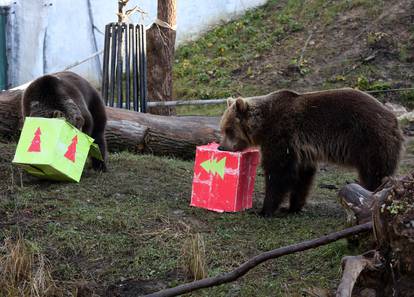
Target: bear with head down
(296, 131)
(66, 94)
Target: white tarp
(46, 36)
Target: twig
(300, 60)
(123, 17)
(253, 262)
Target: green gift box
(54, 149)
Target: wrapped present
(53, 149)
(224, 181)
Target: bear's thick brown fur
(295, 131)
(66, 94)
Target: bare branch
(253, 262)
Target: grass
(24, 272)
(123, 225)
(194, 257)
(133, 223)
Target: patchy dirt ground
(356, 41)
(304, 46)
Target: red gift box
(224, 181)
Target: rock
(407, 123)
(396, 109)
(408, 116)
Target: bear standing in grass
(66, 94)
(295, 131)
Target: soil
(357, 38)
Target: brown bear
(295, 131)
(66, 94)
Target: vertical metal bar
(105, 73)
(113, 61)
(4, 11)
(127, 69)
(131, 63)
(136, 74)
(144, 70)
(139, 46)
(119, 66)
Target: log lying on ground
(133, 131)
(161, 135)
(10, 113)
(389, 269)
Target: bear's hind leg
(99, 165)
(98, 133)
(370, 180)
(301, 188)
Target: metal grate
(124, 81)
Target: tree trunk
(160, 53)
(132, 131)
(389, 269)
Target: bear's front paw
(266, 213)
(294, 209)
(99, 165)
(284, 210)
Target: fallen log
(389, 269)
(10, 118)
(132, 131)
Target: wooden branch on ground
(132, 131)
(253, 262)
(352, 266)
(357, 203)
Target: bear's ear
(58, 114)
(241, 105)
(230, 101)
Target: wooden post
(160, 52)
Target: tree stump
(160, 52)
(389, 269)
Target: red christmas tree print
(70, 153)
(35, 145)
